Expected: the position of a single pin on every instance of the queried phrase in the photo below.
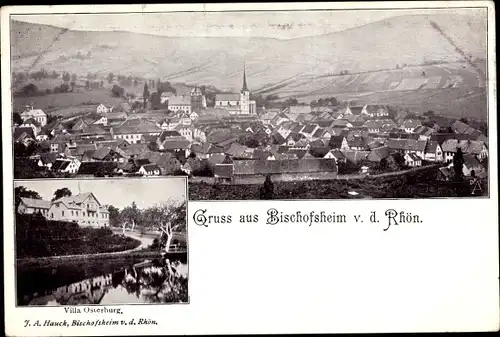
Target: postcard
(250, 168)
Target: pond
(105, 283)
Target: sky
(275, 24)
(120, 193)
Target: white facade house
(83, 209)
(103, 109)
(37, 114)
(180, 104)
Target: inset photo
(101, 241)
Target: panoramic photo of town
(93, 242)
(332, 104)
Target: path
(146, 241)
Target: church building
(237, 103)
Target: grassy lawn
(66, 102)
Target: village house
(180, 104)
(198, 99)
(373, 126)
(461, 128)
(433, 152)
(165, 96)
(122, 107)
(472, 164)
(103, 120)
(180, 146)
(378, 154)
(149, 170)
(343, 123)
(37, 114)
(338, 143)
(404, 146)
(133, 131)
(103, 109)
(375, 110)
(409, 125)
(337, 155)
(194, 116)
(206, 150)
(66, 165)
(42, 136)
(357, 143)
(23, 135)
(322, 133)
(33, 206)
(83, 209)
(449, 148)
(32, 123)
(47, 159)
(412, 160)
(309, 130)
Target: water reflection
(146, 282)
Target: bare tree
(169, 217)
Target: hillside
(300, 67)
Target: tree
(30, 89)
(73, 77)
(159, 87)
(169, 217)
(16, 118)
(145, 94)
(130, 215)
(61, 192)
(66, 77)
(73, 84)
(267, 190)
(117, 91)
(458, 164)
(110, 77)
(464, 120)
(155, 100)
(23, 192)
(114, 215)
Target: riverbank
(39, 237)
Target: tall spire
(244, 88)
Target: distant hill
(302, 66)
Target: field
(66, 103)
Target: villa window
(72, 213)
(62, 213)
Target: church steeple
(244, 88)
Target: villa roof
(36, 203)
